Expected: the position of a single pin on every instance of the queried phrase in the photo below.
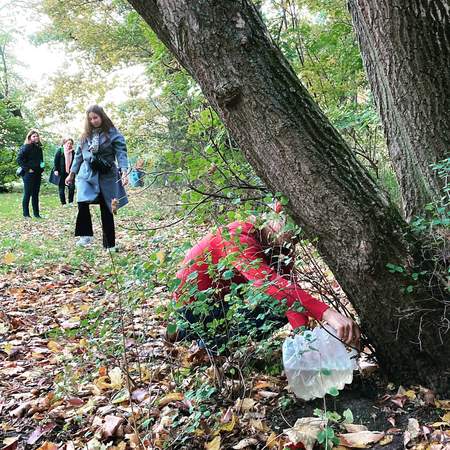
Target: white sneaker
(111, 249)
(84, 241)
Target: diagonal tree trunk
(405, 47)
(294, 149)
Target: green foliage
(317, 38)
(12, 133)
(431, 230)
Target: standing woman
(98, 178)
(61, 168)
(31, 160)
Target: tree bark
(406, 52)
(295, 150)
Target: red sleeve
(250, 263)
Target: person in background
(61, 168)
(98, 179)
(31, 160)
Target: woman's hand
(124, 179)
(346, 328)
(70, 178)
(56, 173)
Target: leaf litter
(67, 383)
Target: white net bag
(316, 363)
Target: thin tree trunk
(405, 47)
(295, 150)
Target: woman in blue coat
(100, 165)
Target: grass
(30, 243)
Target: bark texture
(405, 47)
(294, 149)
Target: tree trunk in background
(294, 149)
(405, 47)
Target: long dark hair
(88, 128)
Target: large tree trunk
(406, 52)
(295, 150)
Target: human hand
(124, 179)
(56, 173)
(70, 178)
(31, 171)
(347, 330)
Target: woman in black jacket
(31, 160)
(61, 169)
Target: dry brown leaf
(110, 426)
(305, 431)
(10, 443)
(268, 394)
(244, 443)
(48, 446)
(275, 442)
(439, 424)
(386, 440)
(39, 432)
(8, 258)
(411, 394)
(413, 428)
(172, 397)
(134, 440)
(262, 384)
(259, 425)
(361, 439)
(54, 347)
(115, 375)
(446, 417)
(245, 404)
(229, 426)
(354, 428)
(214, 444)
(21, 410)
(443, 404)
(399, 400)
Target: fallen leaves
(214, 444)
(39, 432)
(360, 439)
(169, 398)
(305, 431)
(111, 381)
(111, 427)
(65, 382)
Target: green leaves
(334, 392)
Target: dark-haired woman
(61, 168)
(99, 179)
(31, 160)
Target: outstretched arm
(249, 262)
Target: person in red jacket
(246, 251)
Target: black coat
(31, 157)
(59, 163)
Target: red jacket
(249, 265)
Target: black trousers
(260, 322)
(31, 188)
(83, 225)
(62, 191)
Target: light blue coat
(90, 183)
